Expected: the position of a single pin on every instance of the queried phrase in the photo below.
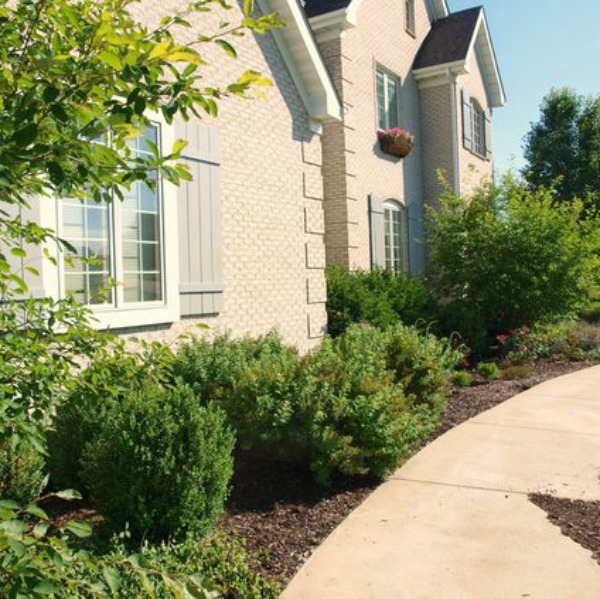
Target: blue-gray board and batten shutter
(200, 235)
(376, 225)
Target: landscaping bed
(579, 520)
(281, 512)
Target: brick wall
(272, 196)
(354, 167)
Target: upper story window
(388, 99)
(478, 125)
(395, 224)
(120, 242)
(410, 16)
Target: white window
(126, 266)
(395, 225)
(478, 126)
(410, 16)
(388, 99)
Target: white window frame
(478, 129)
(387, 76)
(396, 254)
(121, 315)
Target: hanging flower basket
(397, 141)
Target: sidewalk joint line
(457, 486)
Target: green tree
(72, 73)
(562, 148)
(509, 256)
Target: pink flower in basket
(396, 141)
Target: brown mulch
(579, 520)
(279, 509)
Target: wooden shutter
(200, 240)
(488, 134)
(377, 232)
(467, 121)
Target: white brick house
(282, 187)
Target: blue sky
(539, 44)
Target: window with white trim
(478, 128)
(388, 99)
(395, 224)
(119, 242)
(410, 16)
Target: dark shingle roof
(449, 39)
(314, 8)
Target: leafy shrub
(222, 558)
(508, 257)
(354, 421)
(21, 471)
(379, 297)
(160, 462)
(104, 383)
(377, 394)
(462, 378)
(255, 381)
(568, 340)
(516, 372)
(488, 370)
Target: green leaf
(79, 529)
(69, 494)
(27, 135)
(111, 59)
(46, 588)
(113, 579)
(37, 511)
(229, 49)
(18, 252)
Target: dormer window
(410, 16)
(388, 99)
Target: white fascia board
(303, 59)
(440, 9)
(440, 72)
(483, 46)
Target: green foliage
(508, 257)
(352, 407)
(74, 73)
(562, 148)
(21, 471)
(221, 557)
(111, 375)
(379, 297)
(160, 463)
(256, 382)
(488, 370)
(568, 340)
(39, 561)
(462, 378)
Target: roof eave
(303, 59)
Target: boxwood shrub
(160, 463)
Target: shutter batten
(200, 241)
(467, 121)
(377, 232)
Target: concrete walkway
(455, 521)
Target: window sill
(136, 316)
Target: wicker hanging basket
(397, 142)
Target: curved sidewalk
(455, 520)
